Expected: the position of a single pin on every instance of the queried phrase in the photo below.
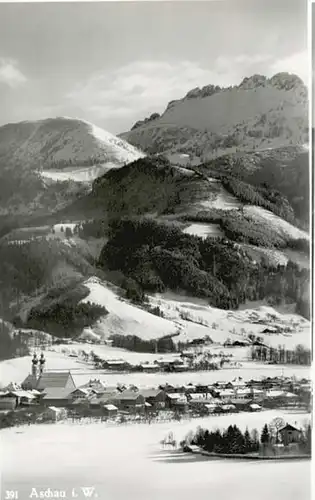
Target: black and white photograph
(155, 250)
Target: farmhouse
(289, 434)
(254, 407)
(130, 401)
(155, 397)
(7, 402)
(176, 401)
(115, 364)
(199, 399)
(110, 410)
(79, 393)
(227, 394)
(53, 413)
(150, 367)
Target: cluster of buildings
(57, 389)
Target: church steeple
(35, 365)
(42, 362)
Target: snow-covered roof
(200, 396)
(110, 407)
(291, 395)
(255, 406)
(274, 394)
(55, 409)
(176, 396)
(227, 392)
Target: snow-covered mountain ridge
(208, 122)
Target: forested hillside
(159, 256)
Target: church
(55, 386)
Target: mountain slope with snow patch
(46, 164)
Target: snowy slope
(124, 318)
(283, 227)
(191, 318)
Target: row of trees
(297, 356)
(134, 343)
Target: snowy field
(128, 463)
(16, 370)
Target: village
(52, 395)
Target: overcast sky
(113, 63)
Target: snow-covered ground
(78, 174)
(204, 230)
(17, 369)
(220, 200)
(124, 318)
(221, 324)
(247, 371)
(283, 227)
(189, 319)
(127, 462)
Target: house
(228, 408)
(291, 399)
(289, 434)
(227, 394)
(150, 367)
(213, 408)
(176, 401)
(7, 402)
(80, 393)
(110, 410)
(241, 404)
(243, 393)
(254, 407)
(198, 399)
(116, 364)
(56, 396)
(94, 384)
(23, 397)
(99, 400)
(155, 397)
(18, 397)
(201, 388)
(53, 413)
(168, 388)
(128, 400)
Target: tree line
(233, 441)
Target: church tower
(35, 366)
(42, 362)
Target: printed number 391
(11, 495)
